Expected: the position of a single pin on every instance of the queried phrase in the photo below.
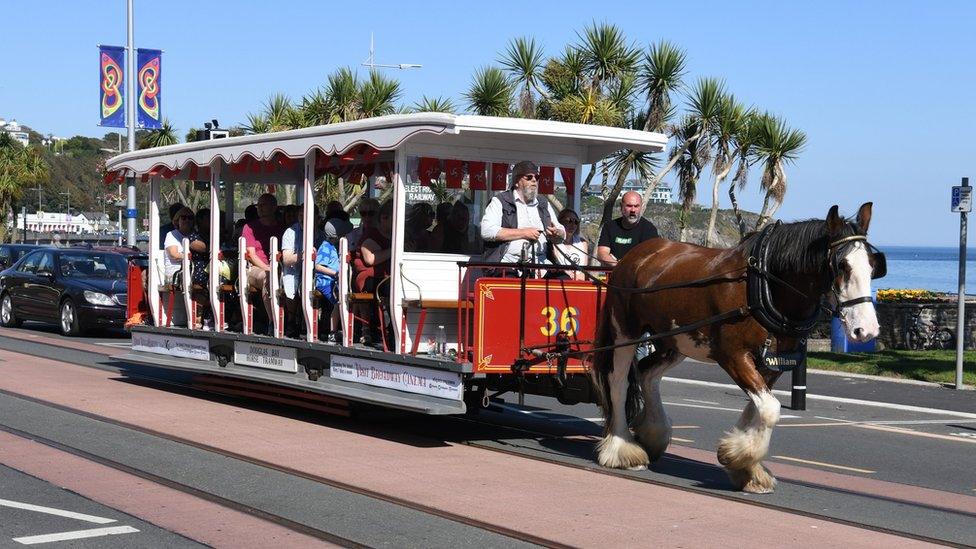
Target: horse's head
(854, 262)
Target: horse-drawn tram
(446, 327)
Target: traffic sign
(962, 199)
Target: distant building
(50, 222)
(15, 131)
(660, 195)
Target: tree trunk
(719, 177)
(735, 209)
(675, 156)
(764, 214)
(614, 193)
(556, 204)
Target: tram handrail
(187, 279)
(242, 286)
(277, 322)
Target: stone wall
(893, 316)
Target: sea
(927, 268)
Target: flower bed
(896, 306)
(912, 295)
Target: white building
(660, 195)
(83, 223)
(15, 131)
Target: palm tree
(659, 77)
(606, 54)
(623, 163)
(378, 95)
(20, 167)
(523, 60)
(703, 104)
(688, 165)
(342, 91)
(490, 93)
(776, 145)
(161, 137)
(745, 141)
(435, 104)
(731, 117)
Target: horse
(661, 286)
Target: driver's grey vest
(495, 249)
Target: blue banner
(149, 89)
(111, 82)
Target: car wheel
(7, 317)
(69, 324)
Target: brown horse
(801, 263)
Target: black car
(10, 253)
(76, 288)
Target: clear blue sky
(884, 90)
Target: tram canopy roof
(384, 133)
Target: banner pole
(130, 124)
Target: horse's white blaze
(860, 320)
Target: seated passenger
(517, 221)
(456, 236)
(200, 263)
(375, 251)
(440, 228)
(165, 229)
(574, 250)
(291, 214)
(326, 273)
(419, 220)
(257, 235)
(291, 278)
(368, 207)
(174, 253)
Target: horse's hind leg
(653, 427)
(743, 448)
(618, 449)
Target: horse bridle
(879, 268)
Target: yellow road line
(686, 441)
(822, 464)
(812, 424)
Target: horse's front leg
(743, 448)
(618, 449)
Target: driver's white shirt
(528, 216)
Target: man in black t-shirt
(625, 232)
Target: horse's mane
(800, 247)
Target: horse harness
(759, 302)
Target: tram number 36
(559, 321)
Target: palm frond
(490, 93)
(435, 104)
(606, 54)
(378, 95)
(659, 77)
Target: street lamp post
(130, 90)
(67, 216)
(372, 64)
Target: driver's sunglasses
(530, 177)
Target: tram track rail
(514, 534)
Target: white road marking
(77, 534)
(118, 344)
(871, 403)
(52, 511)
(787, 416)
(700, 401)
(898, 430)
(822, 464)
(904, 421)
(683, 405)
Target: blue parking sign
(962, 199)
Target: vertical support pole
(229, 206)
(155, 255)
(277, 322)
(961, 314)
(242, 286)
(307, 260)
(187, 279)
(396, 252)
(798, 396)
(213, 277)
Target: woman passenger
(375, 251)
(574, 250)
(174, 254)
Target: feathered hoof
(655, 442)
(754, 480)
(617, 453)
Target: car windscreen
(93, 265)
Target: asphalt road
(861, 431)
